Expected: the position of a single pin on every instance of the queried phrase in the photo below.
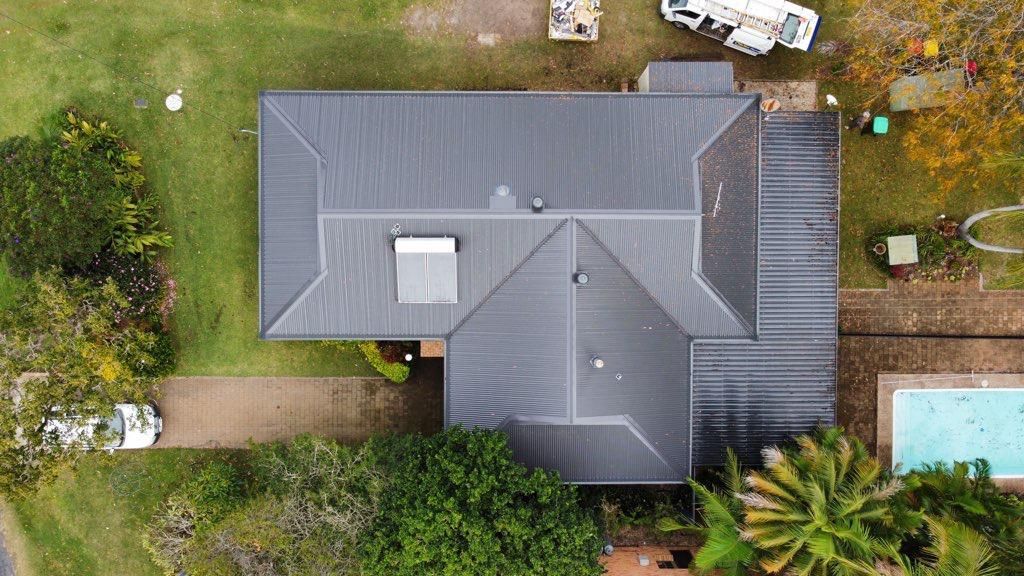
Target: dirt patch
(792, 94)
(506, 20)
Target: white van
(750, 26)
(130, 426)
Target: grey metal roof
(588, 453)
(646, 376)
(577, 151)
(747, 395)
(628, 181)
(357, 294)
(289, 174)
(728, 229)
(509, 356)
(689, 77)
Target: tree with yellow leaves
(982, 38)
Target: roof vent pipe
(537, 203)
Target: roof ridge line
(294, 128)
(629, 275)
(642, 436)
(299, 296)
(722, 129)
(722, 301)
(505, 279)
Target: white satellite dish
(174, 102)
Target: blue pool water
(960, 424)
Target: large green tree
(63, 352)
(459, 505)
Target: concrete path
(932, 309)
(216, 412)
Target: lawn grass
(90, 521)
(1002, 271)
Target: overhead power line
(136, 79)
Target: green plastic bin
(880, 125)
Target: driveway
(220, 412)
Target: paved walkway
(932, 309)
(863, 358)
(215, 412)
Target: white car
(130, 426)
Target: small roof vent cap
(537, 203)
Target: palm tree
(953, 550)
(966, 494)
(720, 518)
(822, 508)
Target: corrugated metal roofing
(728, 232)
(357, 296)
(748, 395)
(595, 453)
(690, 77)
(509, 356)
(519, 338)
(646, 375)
(659, 254)
(289, 173)
(383, 155)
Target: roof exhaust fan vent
(581, 278)
(537, 204)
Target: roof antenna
(718, 200)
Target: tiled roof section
(289, 174)
(646, 375)
(690, 77)
(659, 253)
(356, 297)
(509, 356)
(449, 151)
(729, 198)
(596, 453)
(748, 395)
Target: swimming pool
(960, 424)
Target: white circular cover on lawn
(173, 102)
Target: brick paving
(925, 328)
(215, 412)
(862, 358)
(932, 309)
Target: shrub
(53, 205)
(66, 197)
(458, 504)
(141, 283)
(192, 510)
(395, 371)
(162, 356)
(941, 256)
